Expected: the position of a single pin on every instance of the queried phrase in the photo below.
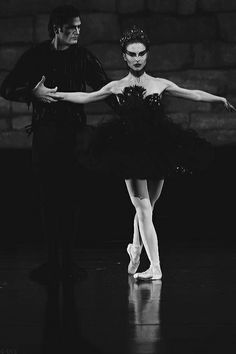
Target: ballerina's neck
(137, 78)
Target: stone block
(186, 7)
(212, 81)
(166, 57)
(116, 74)
(222, 80)
(28, 7)
(16, 30)
(214, 55)
(9, 55)
(99, 27)
(9, 8)
(180, 118)
(213, 121)
(124, 6)
(19, 122)
(173, 104)
(170, 29)
(219, 137)
(19, 108)
(4, 107)
(41, 27)
(227, 26)
(94, 5)
(15, 140)
(182, 29)
(230, 85)
(162, 6)
(109, 55)
(217, 5)
(4, 124)
(3, 74)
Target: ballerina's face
(136, 56)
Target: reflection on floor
(192, 310)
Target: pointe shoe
(153, 273)
(134, 254)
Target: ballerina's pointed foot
(134, 254)
(153, 273)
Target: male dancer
(56, 63)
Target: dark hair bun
(134, 35)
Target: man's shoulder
(38, 48)
(45, 45)
(84, 51)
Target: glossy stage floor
(192, 310)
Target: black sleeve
(17, 84)
(96, 77)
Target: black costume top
(69, 70)
(142, 142)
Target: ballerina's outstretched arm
(87, 97)
(196, 95)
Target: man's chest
(63, 71)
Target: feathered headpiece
(134, 35)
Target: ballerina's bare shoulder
(149, 83)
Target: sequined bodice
(133, 98)
(139, 111)
(154, 100)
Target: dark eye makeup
(132, 54)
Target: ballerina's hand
(229, 106)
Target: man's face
(68, 34)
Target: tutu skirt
(142, 142)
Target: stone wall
(194, 45)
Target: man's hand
(44, 94)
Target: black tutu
(142, 142)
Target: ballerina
(141, 144)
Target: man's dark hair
(60, 16)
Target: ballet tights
(143, 225)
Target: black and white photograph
(118, 170)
